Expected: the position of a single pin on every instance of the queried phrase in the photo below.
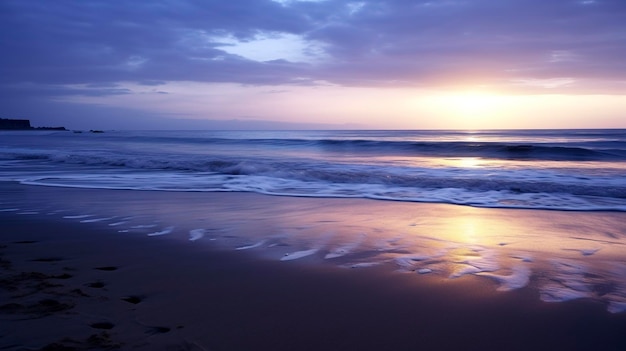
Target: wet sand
(87, 286)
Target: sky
(291, 64)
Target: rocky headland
(22, 124)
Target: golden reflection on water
(465, 162)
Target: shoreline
(167, 291)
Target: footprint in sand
(134, 299)
(40, 309)
(62, 276)
(5, 264)
(102, 325)
(25, 242)
(157, 330)
(96, 285)
(79, 293)
(106, 268)
(48, 259)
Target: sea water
(537, 169)
(574, 250)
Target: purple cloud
(65, 47)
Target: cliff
(22, 124)
(17, 124)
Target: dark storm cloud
(369, 43)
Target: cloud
(269, 47)
(69, 41)
(364, 43)
(55, 49)
(477, 41)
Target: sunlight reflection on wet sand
(564, 255)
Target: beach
(313, 175)
(242, 271)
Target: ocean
(580, 170)
(536, 209)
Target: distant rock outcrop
(22, 124)
(15, 124)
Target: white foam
(93, 220)
(524, 258)
(577, 283)
(260, 243)
(409, 262)
(466, 269)
(569, 266)
(569, 282)
(299, 254)
(405, 263)
(424, 271)
(344, 249)
(519, 278)
(485, 263)
(9, 209)
(616, 307)
(389, 244)
(196, 234)
(363, 265)
(78, 216)
(143, 226)
(339, 252)
(589, 252)
(554, 292)
(117, 223)
(165, 231)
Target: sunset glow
(315, 64)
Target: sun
(471, 109)
(473, 103)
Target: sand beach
(75, 279)
(312, 175)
